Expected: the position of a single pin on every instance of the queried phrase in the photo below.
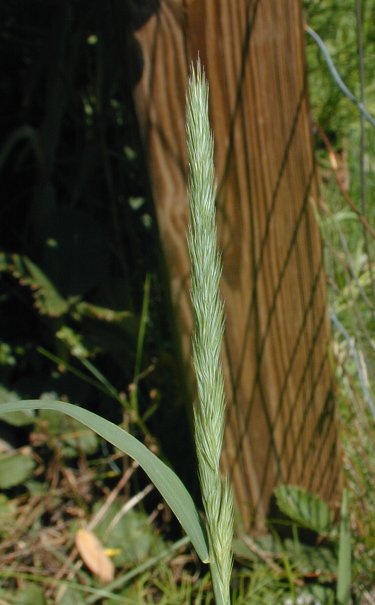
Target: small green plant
(213, 542)
(307, 510)
(306, 555)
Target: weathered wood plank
(279, 381)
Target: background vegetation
(84, 317)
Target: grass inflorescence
(209, 325)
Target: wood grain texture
(280, 423)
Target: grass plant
(207, 339)
(37, 518)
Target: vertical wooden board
(280, 425)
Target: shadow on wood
(279, 380)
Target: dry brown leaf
(93, 555)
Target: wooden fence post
(279, 380)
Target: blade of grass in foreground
(165, 480)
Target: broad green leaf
(30, 595)
(165, 480)
(304, 507)
(132, 538)
(16, 418)
(15, 469)
(72, 597)
(72, 436)
(7, 515)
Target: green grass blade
(110, 389)
(165, 480)
(344, 563)
(67, 366)
(142, 327)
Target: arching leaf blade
(165, 480)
